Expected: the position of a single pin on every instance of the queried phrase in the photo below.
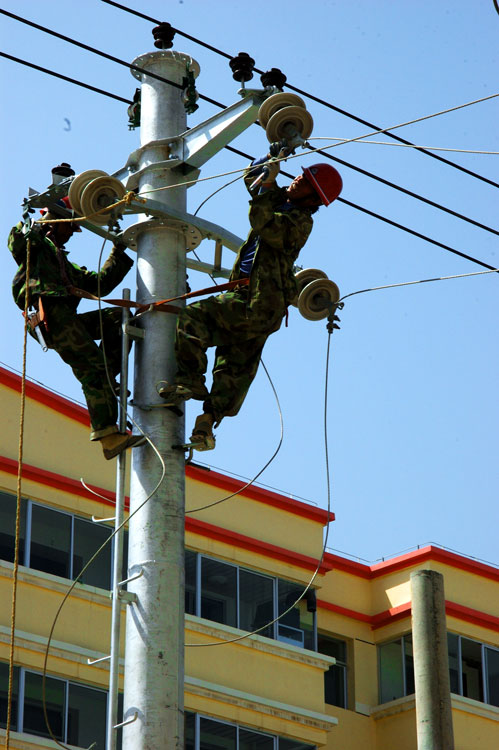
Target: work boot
(176, 394)
(202, 438)
(118, 442)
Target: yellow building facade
(334, 671)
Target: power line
(218, 104)
(95, 51)
(286, 174)
(65, 78)
(315, 98)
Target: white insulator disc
(99, 194)
(79, 184)
(314, 298)
(304, 277)
(275, 102)
(300, 120)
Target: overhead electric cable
(286, 174)
(219, 104)
(95, 51)
(65, 78)
(313, 97)
(403, 145)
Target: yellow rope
(127, 199)
(18, 507)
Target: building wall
(258, 682)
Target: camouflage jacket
(281, 235)
(47, 271)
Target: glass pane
(290, 626)
(119, 737)
(256, 602)
(4, 693)
(293, 745)
(471, 660)
(334, 686)
(255, 741)
(87, 717)
(453, 651)
(492, 657)
(216, 736)
(34, 720)
(390, 671)
(50, 541)
(332, 647)
(87, 538)
(409, 665)
(190, 581)
(218, 591)
(8, 505)
(190, 730)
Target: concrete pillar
(431, 663)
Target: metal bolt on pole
(431, 662)
(114, 664)
(154, 658)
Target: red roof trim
(66, 484)
(227, 484)
(403, 611)
(45, 397)
(254, 545)
(351, 613)
(482, 619)
(58, 481)
(414, 558)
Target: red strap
(162, 305)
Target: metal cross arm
(194, 147)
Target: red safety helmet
(326, 181)
(64, 203)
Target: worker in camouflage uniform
(54, 284)
(238, 322)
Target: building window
(77, 713)
(205, 733)
(335, 679)
(242, 598)
(56, 542)
(396, 669)
(473, 669)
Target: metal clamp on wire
(332, 318)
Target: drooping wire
(313, 97)
(326, 535)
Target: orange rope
(18, 507)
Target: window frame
(26, 557)
(275, 596)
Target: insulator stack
(273, 77)
(242, 67)
(163, 36)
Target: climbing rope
(18, 502)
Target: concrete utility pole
(154, 653)
(431, 662)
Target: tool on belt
(35, 320)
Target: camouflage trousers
(239, 337)
(73, 336)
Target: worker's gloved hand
(120, 247)
(271, 169)
(276, 147)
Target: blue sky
(413, 407)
